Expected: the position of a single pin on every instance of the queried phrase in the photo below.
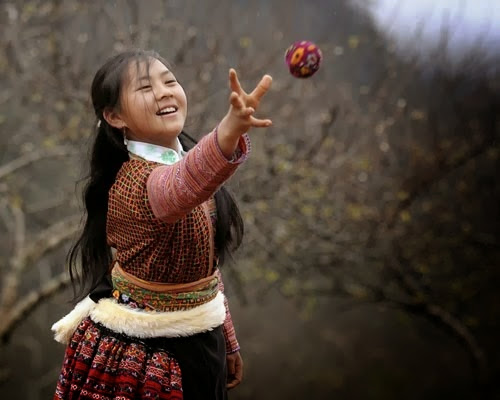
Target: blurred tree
(377, 183)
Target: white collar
(153, 152)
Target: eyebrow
(163, 73)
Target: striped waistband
(138, 293)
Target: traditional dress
(165, 332)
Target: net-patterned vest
(147, 247)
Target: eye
(145, 87)
(171, 81)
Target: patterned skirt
(104, 365)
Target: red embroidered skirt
(100, 364)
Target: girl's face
(153, 106)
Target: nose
(162, 91)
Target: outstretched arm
(175, 190)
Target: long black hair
(90, 257)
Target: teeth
(167, 110)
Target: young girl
(159, 223)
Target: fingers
(235, 371)
(234, 382)
(259, 91)
(236, 101)
(234, 82)
(262, 87)
(260, 123)
(235, 377)
(244, 111)
(243, 106)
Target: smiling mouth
(167, 110)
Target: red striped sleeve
(174, 190)
(232, 344)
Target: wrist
(228, 136)
(233, 351)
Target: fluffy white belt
(142, 324)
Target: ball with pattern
(303, 58)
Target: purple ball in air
(303, 58)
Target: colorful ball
(303, 58)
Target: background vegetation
(370, 265)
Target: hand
(234, 369)
(240, 117)
(244, 105)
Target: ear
(114, 119)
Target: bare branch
(11, 281)
(46, 241)
(19, 231)
(425, 181)
(29, 158)
(29, 302)
(326, 127)
(51, 238)
(450, 323)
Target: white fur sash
(139, 323)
